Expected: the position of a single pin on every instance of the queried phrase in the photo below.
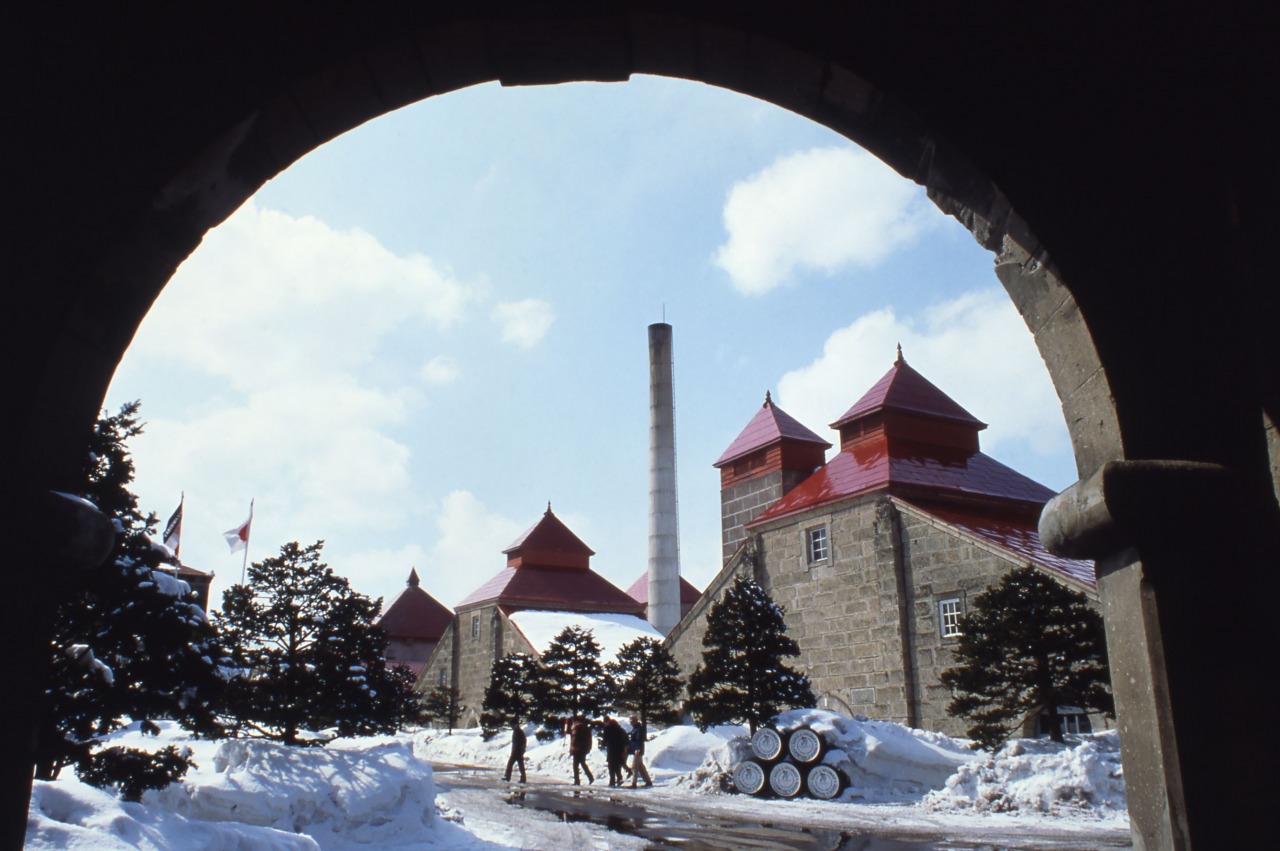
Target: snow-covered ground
(380, 792)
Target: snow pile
(884, 762)
(355, 793)
(1081, 777)
(368, 791)
(69, 814)
(611, 632)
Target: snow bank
(70, 814)
(1082, 777)
(884, 762)
(356, 792)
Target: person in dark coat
(579, 747)
(518, 742)
(614, 739)
(635, 744)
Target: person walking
(518, 742)
(635, 743)
(579, 747)
(614, 739)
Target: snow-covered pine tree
(514, 684)
(646, 680)
(742, 679)
(307, 654)
(129, 641)
(1028, 644)
(573, 680)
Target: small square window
(475, 626)
(949, 614)
(819, 546)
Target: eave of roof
(546, 587)
(904, 389)
(639, 591)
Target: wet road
(679, 823)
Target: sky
(411, 341)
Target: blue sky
(418, 335)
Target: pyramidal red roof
(415, 614)
(769, 425)
(904, 389)
(549, 536)
(639, 591)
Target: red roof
(1016, 536)
(639, 591)
(770, 425)
(904, 389)
(549, 543)
(415, 614)
(906, 468)
(560, 589)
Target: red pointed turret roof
(770, 425)
(548, 567)
(904, 389)
(639, 591)
(415, 614)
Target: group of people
(619, 745)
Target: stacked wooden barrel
(787, 764)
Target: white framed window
(949, 613)
(444, 677)
(818, 544)
(475, 627)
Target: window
(819, 546)
(1072, 719)
(475, 627)
(949, 612)
(444, 677)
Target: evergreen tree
(1029, 644)
(647, 680)
(514, 685)
(130, 641)
(573, 680)
(442, 705)
(742, 678)
(307, 654)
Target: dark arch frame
(181, 136)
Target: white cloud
(440, 370)
(824, 209)
(271, 299)
(469, 550)
(385, 572)
(975, 348)
(524, 323)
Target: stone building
(547, 585)
(414, 623)
(876, 553)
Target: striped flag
(173, 529)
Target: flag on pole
(238, 538)
(173, 529)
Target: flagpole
(244, 568)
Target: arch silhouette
(142, 134)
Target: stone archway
(188, 135)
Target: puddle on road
(666, 831)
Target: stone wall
(469, 657)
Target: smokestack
(664, 538)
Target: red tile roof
(769, 425)
(1016, 536)
(906, 468)
(639, 591)
(904, 389)
(563, 589)
(549, 543)
(415, 614)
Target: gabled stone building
(876, 553)
(547, 584)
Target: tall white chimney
(664, 537)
